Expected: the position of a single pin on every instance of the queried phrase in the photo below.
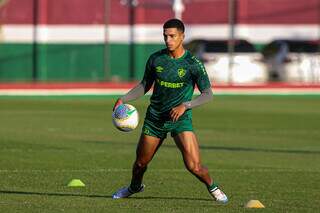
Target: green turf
(260, 147)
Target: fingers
(176, 117)
(118, 102)
(115, 106)
(174, 114)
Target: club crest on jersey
(181, 72)
(159, 69)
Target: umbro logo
(159, 69)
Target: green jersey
(174, 81)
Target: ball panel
(125, 117)
(121, 111)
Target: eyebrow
(170, 34)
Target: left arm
(204, 97)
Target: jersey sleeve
(200, 75)
(148, 77)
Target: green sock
(213, 187)
(135, 187)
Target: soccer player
(174, 72)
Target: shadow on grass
(100, 196)
(259, 150)
(170, 198)
(223, 148)
(53, 194)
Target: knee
(195, 168)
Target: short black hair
(174, 23)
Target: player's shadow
(53, 194)
(171, 198)
(248, 149)
(222, 148)
(100, 196)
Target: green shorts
(160, 128)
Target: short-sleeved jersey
(174, 80)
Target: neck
(177, 53)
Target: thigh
(187, 143)
(180, 126)
(147, 147)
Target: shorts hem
(173, 134)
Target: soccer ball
(125, 117)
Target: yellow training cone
(76, 183)
(256, 204)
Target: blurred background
(239, 41)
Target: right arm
(134, 93)
(139, 90)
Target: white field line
(150, 170)
(226, 91)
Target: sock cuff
(213, 187)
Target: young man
(174, 72)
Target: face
(173, 38)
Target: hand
(177, 111)
(118, 102)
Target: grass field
(256, 147)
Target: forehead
(170, 31)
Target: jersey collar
(178, 59)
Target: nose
(167, 39)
